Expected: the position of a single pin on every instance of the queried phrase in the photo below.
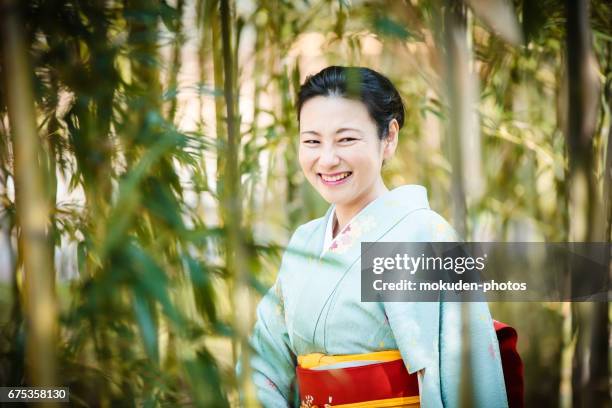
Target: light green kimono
(315, 306)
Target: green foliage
(147, 320)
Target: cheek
(305, 158)
(367, 160)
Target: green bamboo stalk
(203, 22)
(218, 81)
(7, 230)
(456, 69)
(457, 72)
(232, 200)
(202, 25)
(590, 320)
(567, 353)
(176, 61)
(290, 153)
(49, 152)
(146, 79)
(607, 170)
(31, 203)
(220, 134)
(252, 208)
(607, 181)
(167, 339)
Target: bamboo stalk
(218, 81)
(232, 199)
(31, 203)
(143, 39)
(607, 170)
(220, 133)
(15, 313)
(254, 206)
(176, 62)
(590, 320)
(457, 77)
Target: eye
(311, 142)
(348, 139)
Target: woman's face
(340, 152)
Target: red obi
(511, 363)
(383, 384)
(387, 383)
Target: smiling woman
(341, 154)
(349, 125)
(315, 342)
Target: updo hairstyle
(374, 90)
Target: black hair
(374, 90)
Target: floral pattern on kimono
(321, 311)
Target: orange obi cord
(356, 381)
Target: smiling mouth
(335, 178)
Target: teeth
(336, 177)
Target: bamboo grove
(149, 175)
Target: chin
(329, 198)
(335, 199)
(332, 197)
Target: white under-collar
(329, 231)
(405, 197)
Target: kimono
(315, 307)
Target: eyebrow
(347, 129)
(344, 129)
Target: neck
(344, 213)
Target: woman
(314, 339)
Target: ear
(391, 140)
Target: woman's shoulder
(302, 242)
(306, 230)
(427, 225)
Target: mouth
(335, 179)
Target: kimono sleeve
(432, 336)
(486, 379)
(272, 361)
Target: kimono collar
(369, 225)
(400, 200)
(408, 196)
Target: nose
(329, 157)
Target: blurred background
(149, 176)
